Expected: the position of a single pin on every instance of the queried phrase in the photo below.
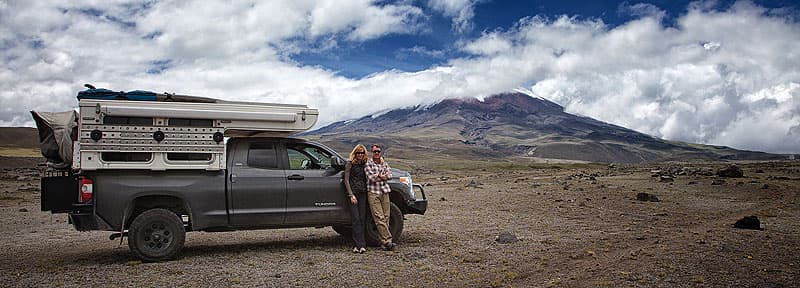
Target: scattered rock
(731, 172)
(506, 238)
(760, 171)
(23, 210)
(442, 199)
(718, 182)
(415, 255)
(749, 222)
(666, 178)
(474, 184)
(444, 178)
(765, 186)
(647, 197)
(691, 183)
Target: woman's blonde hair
(353, 154)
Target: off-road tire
(156, 235)
(395, 226)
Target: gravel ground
(574, 228)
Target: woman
(356, 184)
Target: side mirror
(337, 162)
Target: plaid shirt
(374, 184)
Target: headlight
(407, 181)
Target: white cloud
(461, 11)
(362, 20)
(489, 44)
(420, 50)
(717, 77)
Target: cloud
(461, 11)
(420, 50)
(725, 77)
(362, 20)
(489, 44)
(640, 10)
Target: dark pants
(358, 213)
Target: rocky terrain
(489, 224)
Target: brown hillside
(19, 137)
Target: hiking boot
(356, 250)
(362, 250)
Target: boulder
(647, 197)
(749, 222)
(506, 238)
(731, 172)
(474, 184)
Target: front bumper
(418, 206)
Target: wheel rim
(157, 236)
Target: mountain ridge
(516, 125)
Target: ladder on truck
(122, 134)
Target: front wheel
(395, 226)
(156, 235)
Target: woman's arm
(347, 179)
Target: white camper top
(239, 117)
(156, 135)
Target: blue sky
(712, 72)
(359, 59)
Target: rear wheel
(156, 235)
(395, 226)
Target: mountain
(512, 125)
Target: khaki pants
(379, 204)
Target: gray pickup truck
(267, 183)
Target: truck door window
(262, 155)
(303, 157)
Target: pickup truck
(269, 182)
(151, 167)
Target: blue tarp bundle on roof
(105, 94)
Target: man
(378, 173)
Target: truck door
(258, 184)
(315, 191)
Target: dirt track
(577, 228)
